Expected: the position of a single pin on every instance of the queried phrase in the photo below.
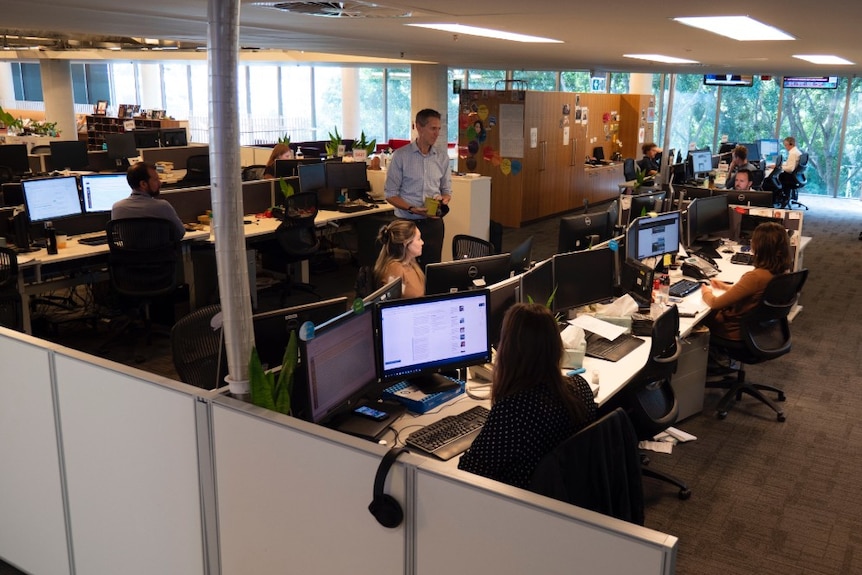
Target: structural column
(429, 89)
(57, 93)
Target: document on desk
(600, 327)
(24, 259)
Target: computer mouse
(727, 251)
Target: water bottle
(51, 236)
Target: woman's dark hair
(529, 354)
(771, 247)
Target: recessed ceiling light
(826, 59)
(660, 58)
(737, 27)
(487, 33)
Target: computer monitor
(502, 296)
(50, 199)
(339, 366)
(171, 137)
(146, 138)
(312, 176)
(352, 176)
(653, 237)
(726, 148)
(537, 284)
(463, 275)
(679, 173)
(101, 191)
(701, 162)
(391, 290)
(69, 155)
(753, 149)
(707, 217)
(287, 168)
(642, 204)
(757, 198)
(520, 257)
(14, 157)
(583, 278)
(417, 338)
(272, 329)
(581, 231)
(769, 148)
(121, 147)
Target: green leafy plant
(266, 390)
(10, 121)
(43, 128)
(640, 177)
(333, 143)
(361, 143)
(285, 139)
(549, 303)
(286, 188)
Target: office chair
(757, 177)
(142, 262)
(297, 237)
(597, 468)
(254, 172)
(6, 175)
(765, 336)
(629, 171)
(464, 247)
(11, 315)
(197, 170)
(197, 348)
(648, 399)
(772, 183)
(794, 181)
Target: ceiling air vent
(352, 9)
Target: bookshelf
(99, 126)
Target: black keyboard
(683, 287)
(94, 240)
(742, 258)
(612, 350)
(451, 435)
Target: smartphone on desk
(371, 413)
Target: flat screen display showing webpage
(657, 236)
(101, 191)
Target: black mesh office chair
(142, 262)
(597, 468)
(197, 348)
(254, 172)
(197, 170)
(772, 183)
(464, 246)
(757, 177)
(794, 181)
(6, 175)
(297, 237)
(648, 399)
(629, 171)
(765, 336)
(10, 300)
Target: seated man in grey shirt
(144, 201)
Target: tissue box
(574, 358)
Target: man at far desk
(419, 171)
(144, 201)
(648, 163)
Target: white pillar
(150, 86)
(429, 89)
(640, 84)
(57, 93)
(7, 88)
(351, 123)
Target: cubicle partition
(108, 469)
(176, 154)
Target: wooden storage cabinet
(100, 126)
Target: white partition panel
(131, 468)
(484, 527)
(32, 527)
(293, 498)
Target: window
(575, 81)
(27, 81)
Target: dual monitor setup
(700, 162)
(334, 181)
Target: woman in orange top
(402, 244)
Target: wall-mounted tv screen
(744, 80)
(828, 82)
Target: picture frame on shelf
(121, 111)
(101, 108)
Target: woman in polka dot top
(535, 407)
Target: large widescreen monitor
(502, 296)
(582, 231)
(828, 82)
(642, 204)
(463, 275)
(537, 284)
(147, 138)
(312, 176)
(339, 365)
(418, 338)
(756, 198)
(170, 137)
(707, 217)
(101, 191)
(50, 199)
(121, 146)
(769, 148)
(287, 168)
(347, 176)
(14, 157)
(583, 278)
(69, 155)
(701, 161)
(739, 80)
(653, 237)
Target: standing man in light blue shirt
(419, 171)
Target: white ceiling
(595, 34)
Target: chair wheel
(721, 414)
(781, 417)
(782, 397)
(684, 494)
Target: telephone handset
(698, 268)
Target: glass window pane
(454, 101)
(200, 97)
(619, 83)
(263, 96)
(327, 101)
(98, 84)
(813, 117)
(371, 113)
(31, 80)
(850, 180)
(749, 114)
(398, 120)
(540, 81)
(693, 113)
(296, 102)
(572, 81)
(79, 84)
(176, 83)
(485, 79)
(125, 85)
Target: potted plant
(640, 177)
(361, 143)
(12, 123)
(266, 390)
(333, 144)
